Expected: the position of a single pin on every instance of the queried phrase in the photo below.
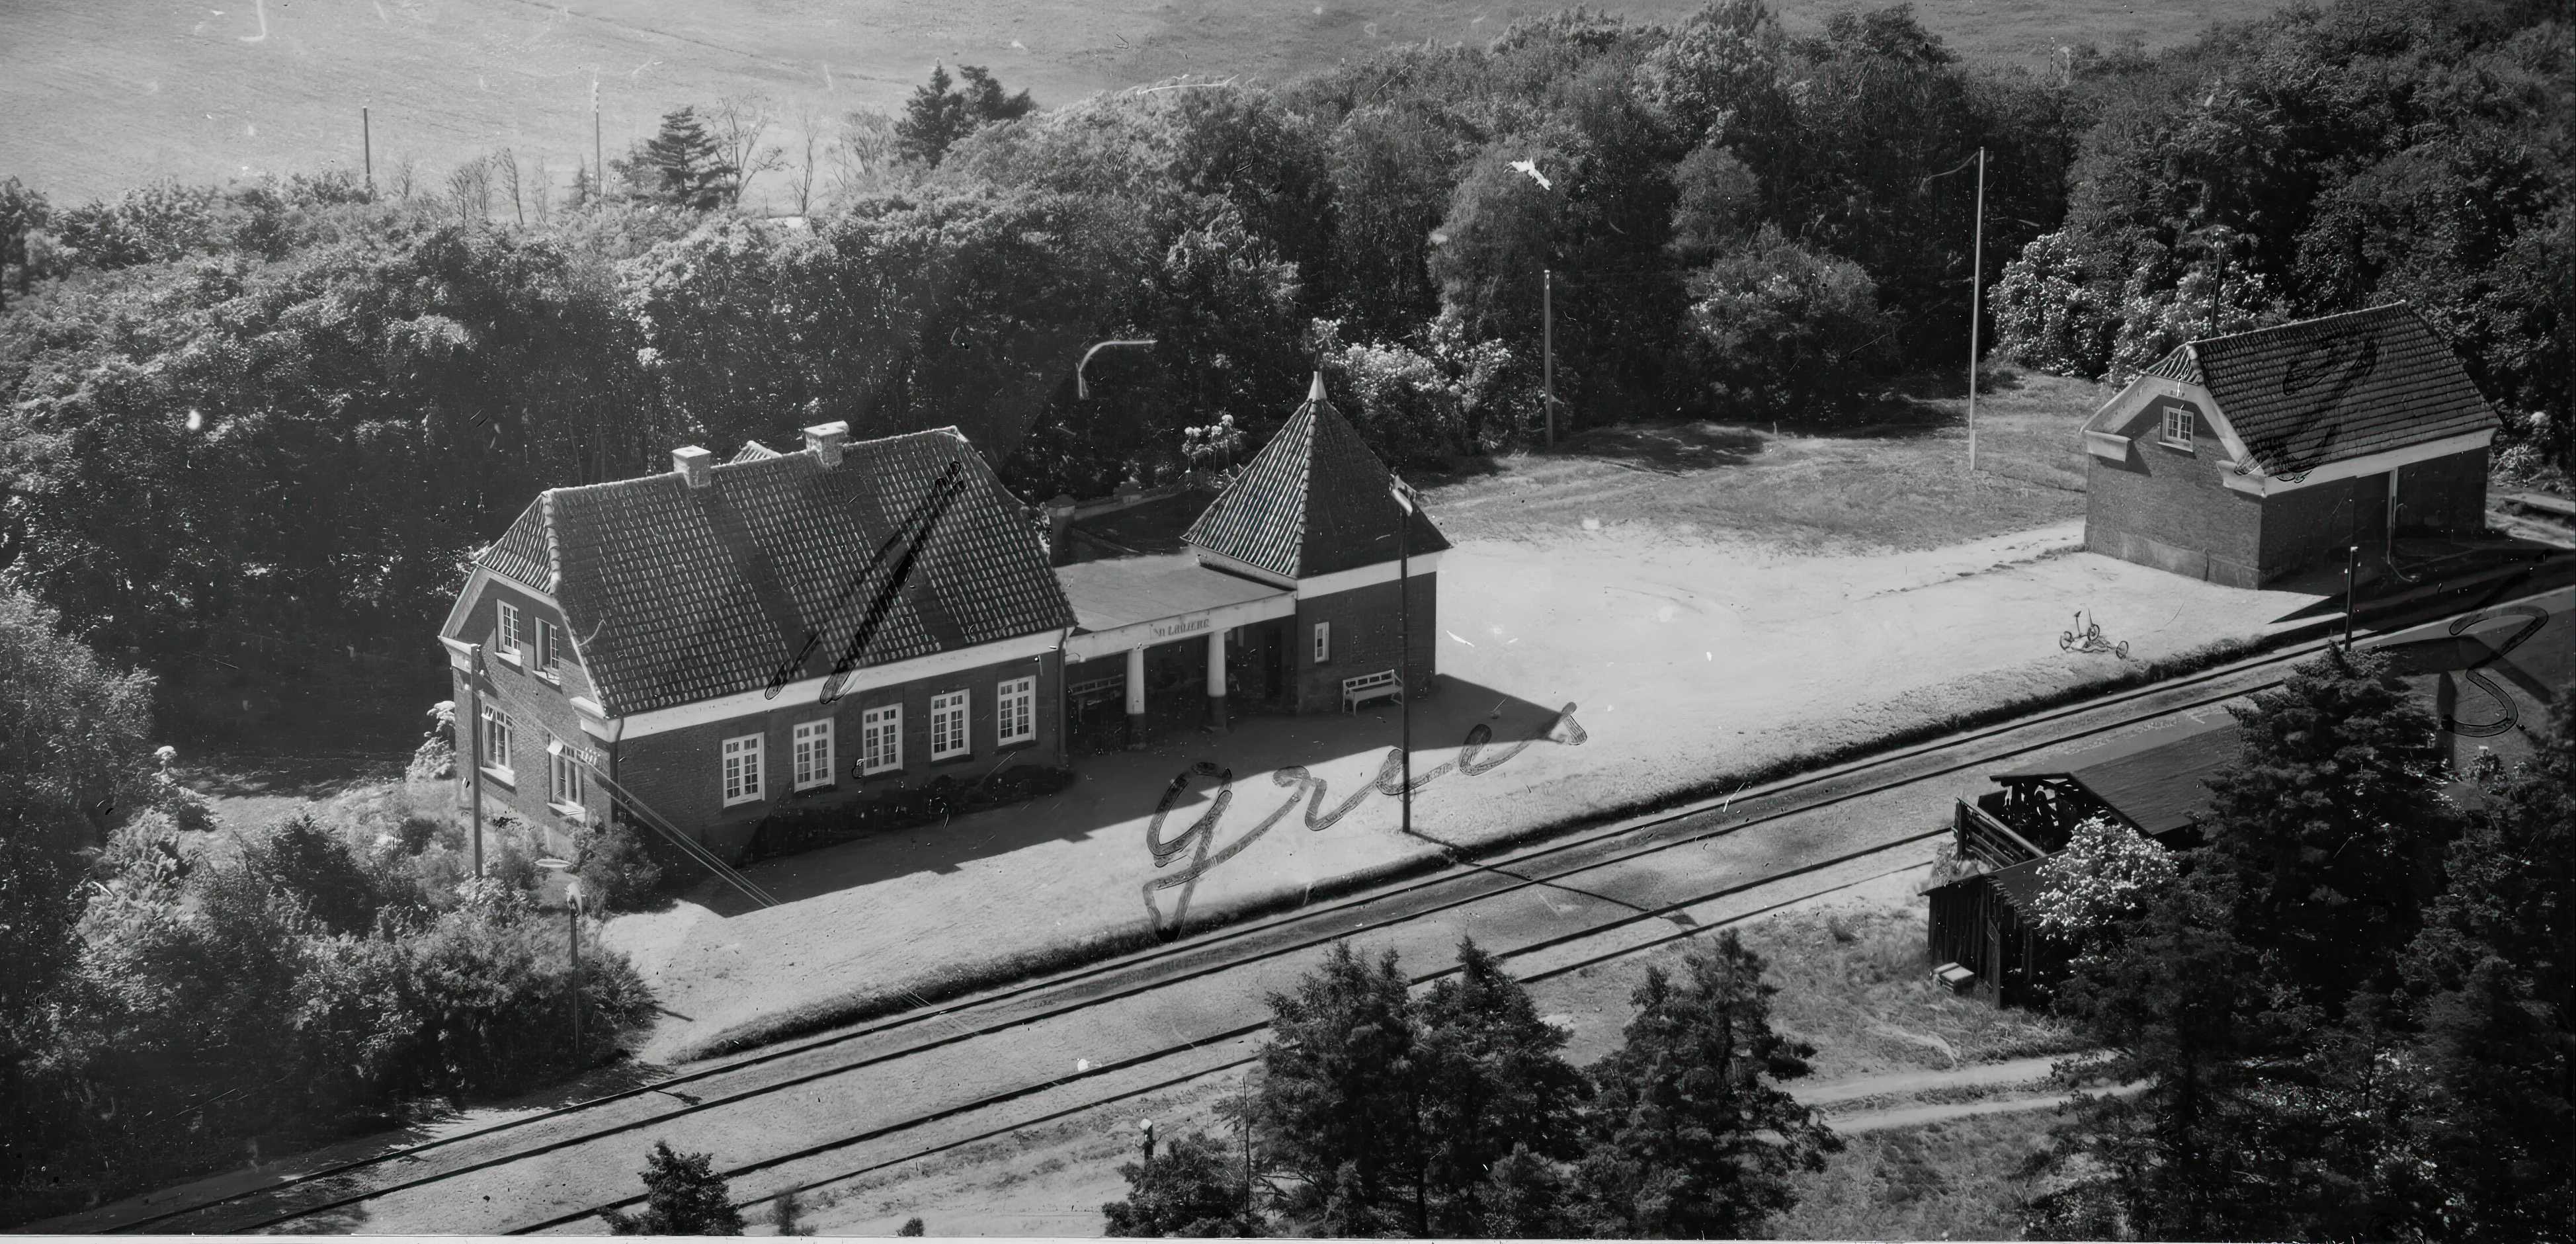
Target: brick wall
(680, 773)
(2172, 508)
(1365, 626)
(538, 707)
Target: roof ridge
(2310, 322)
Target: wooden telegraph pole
(1976, 302)
(474, 751)
(598, 156)
(367, 147)
(1547, 335)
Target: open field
(121, 92)
(1898, 485)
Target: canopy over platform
(1134, 602)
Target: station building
(710, 645)
(2251, 458)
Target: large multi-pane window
(1015, 710)
(813, 754)
(742, 769)
(496, 742)
(509, 627)
(881, 739)
(564, 779)
(948, 725)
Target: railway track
(1164, 979)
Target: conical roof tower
(1314, 501)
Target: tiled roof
(2319, 391)
(676, 594)
(753, 451)
(1312, 502)
(2178, 365)
(520, 553)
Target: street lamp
(572, 929)
(1403, 494)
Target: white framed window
(2179, 426)
(497, 732)
(948, 725)
(1323, 642)
(813, 754)
(549, 649)
(1015, 710)
(742, 769)
(881, 740)
(565, 782)
(508, 643)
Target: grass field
(112, 93)
(1900, 485)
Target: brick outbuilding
(2250, 458)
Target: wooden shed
(2156, 784)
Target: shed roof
(2337, 387)
(1312, 502)
(674, 594)
(2157, 784)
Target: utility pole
(2351, 578)
(1404, 636)
(1547, 335)
(474, 751)
(1976, 302)
(367, 147)
(598, 156)
(572, 925)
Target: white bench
(1367, 687)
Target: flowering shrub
(2107, 873)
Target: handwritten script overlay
(1198, 841)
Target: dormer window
(2179, 425)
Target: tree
(2331, 824)
(1195, 1187)
(741, 121)
(2491, 982)
(939, 112)
(71, 750)
(682, 164)
(1494, 1084)
(1781, 330)
(683, 1195)
(1339, 1105)
(22, 213)
(1678, 1144)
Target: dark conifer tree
(684, 163)
(683, 1196)
(1691, 1134)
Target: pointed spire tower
(1313, 502)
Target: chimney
(694, 465)
(824, 440)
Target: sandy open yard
(128, 91)
(1680, 662)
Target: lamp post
(1403, 495)
(572, 932)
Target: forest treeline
(260, 419)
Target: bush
(791, 830)
(1194, 1188)
(616, 866)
